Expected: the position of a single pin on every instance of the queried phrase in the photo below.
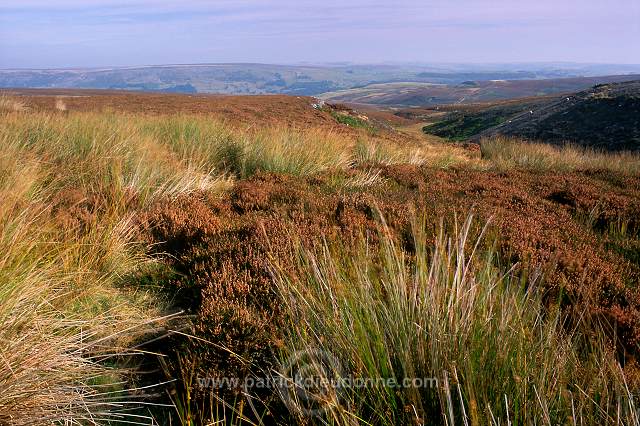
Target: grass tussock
(374, 152)
(11, 104)
(107, 155)
(51, 367)
(69, 248)
(499, 355)
(509, 153)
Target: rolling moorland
(308, 79)
(151, 242)
(412, 94)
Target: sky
(95, 33)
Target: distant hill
(441, 81)
(425, 94)
(604, 117)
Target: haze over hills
(305, 79)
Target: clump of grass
(60, 105)
(508, 153)
(70, 187)
(301, 152)
(499, 356)
(364, 179)
(10, 104)
(51, 365)
(247, 151)
(293, 152)
(388, 153)
(108, 155)
(366, 151)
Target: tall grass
(449, 313)
(70, 187)
(245, 152)
(374, 152)
(8, 103)
(49, 367)
(106, 155)
(508, 153)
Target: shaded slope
(465, 123)
(605, 117)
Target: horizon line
(322, 64)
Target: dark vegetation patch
(464, 124)
(221, 249)
(612, 123)
(350, 120)
(345, 115)
(606, 117)
(459, 126)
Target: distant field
(421, 95)
(309, 80)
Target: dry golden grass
(68, 244)
(47, 354)
(60, 105)
(8, 103)
(508, 153)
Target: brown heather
(110, 219)
(220, 247)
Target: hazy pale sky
(65, 33)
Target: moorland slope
(150, 242)
(604, 117)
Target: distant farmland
(424, 94)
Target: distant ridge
(314, 79)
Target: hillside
(410, 94)
(182, 259)
(605, 117)
(464, 122)
(265, 109)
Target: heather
(143, 251)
